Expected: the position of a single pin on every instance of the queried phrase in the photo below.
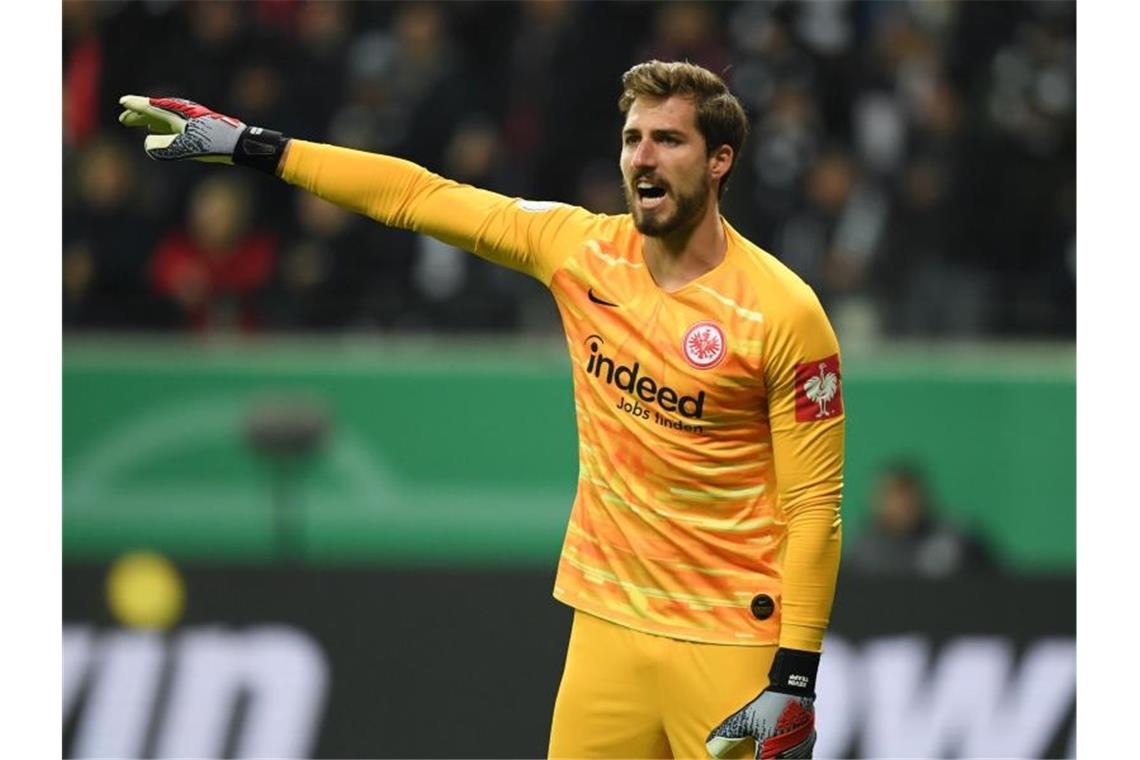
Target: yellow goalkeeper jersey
(710, 419)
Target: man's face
(900, 507)
(665, 166)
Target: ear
(720, 161)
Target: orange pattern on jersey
(693, 468)
(674, 529)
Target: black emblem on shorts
(762, 606)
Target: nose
(643, 155)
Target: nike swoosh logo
(602, 301)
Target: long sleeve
(532, 237)
(807, 423)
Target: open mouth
(649, 194)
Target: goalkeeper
(703, 545)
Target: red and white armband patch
(819, 389)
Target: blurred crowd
(915, 162)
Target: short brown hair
(720, 117)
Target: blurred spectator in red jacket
(214, 269)
(82, 71)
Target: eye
(631, 139)
(670, 140)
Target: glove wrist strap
(260, 149)
(793, 672)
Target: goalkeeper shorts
(627, 694)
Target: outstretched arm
(531, 237)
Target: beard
(690, 207)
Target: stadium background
(914, 162)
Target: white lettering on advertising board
(148, 695)
(898, 697)
(280, 672)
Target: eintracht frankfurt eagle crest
(704, 345)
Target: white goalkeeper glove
(184, 130)
(781, 719)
